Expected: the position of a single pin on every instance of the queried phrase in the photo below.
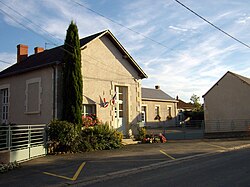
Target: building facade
(226, 105)
(158, 108)
(31, 89)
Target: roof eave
(162, 100)
(29, 69)
(228, 72)
(142, 74)
(216, 83)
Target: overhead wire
(121, 25)
(82, 5)
(213, 25)
(14, 19)
(44, 31)
(3, 61)
(20, 23)
(41, 29)
(153, 40)
(37, 25)
(31, 30)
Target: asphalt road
(224, 169)
(175, 163)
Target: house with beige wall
(158, 108)
(31, 89)
(226, 105)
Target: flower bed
(152, 138)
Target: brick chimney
(22, 52)
(38, 50)
(157, 87)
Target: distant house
(226, 105)
(31, 89)
(158, 108)
(182, 106)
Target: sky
(175, 48)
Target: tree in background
(197, 114)
(195, 100)
(72, 77)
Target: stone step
(128, 141)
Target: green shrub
(63, 136)
(142, 132)
(99, 137)
(67, 137)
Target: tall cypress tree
(72, 77)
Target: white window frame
(7, 112)
(145, 113)
(31, 81)
(84, 111)
(169, 109)
(159, 110)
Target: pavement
(88, 168)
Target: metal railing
(194, 129)
(198, 129)
(15, 137)
(4, 136)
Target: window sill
(32, 113)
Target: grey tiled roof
(155, 94)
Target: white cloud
(194, 69)
(243, 19)
(53, 18)
(178, 28)
(196, 56)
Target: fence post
(9, 138)
(45, 138)
(29, 138)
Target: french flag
(105, 103)
(113, 99)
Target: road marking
(167, 155)
(216, 146)
(68, 178)
(78, 171)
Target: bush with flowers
(91, 135)
(90, 120)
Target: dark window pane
(120, 106)
(121, 114)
